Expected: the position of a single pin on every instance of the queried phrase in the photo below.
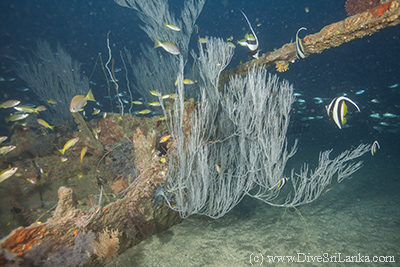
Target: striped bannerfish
(337, 109)
(299, 45)
(252, 42)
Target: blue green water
(360, 215)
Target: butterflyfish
(68, 145)
(280, 184)
(375, 146)
(252, 41)
(167, 46)
(337, 109)
(299, 45)
(79, 101)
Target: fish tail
(90, 96)
(157, 43)
(62, 151)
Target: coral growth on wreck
(358, 6)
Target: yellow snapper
(51, 101)
(137, 102)
(79, 101)
(144, 111)
(167, 46)
(155, 93)
(17, 117)
(7, 173)
(188, 81)
(155, 104)
(27, 109)
(45, 124)
(68, 145)
(6, 149)
(172, 27)
(10, 104)
(3, 138)
(83, 152)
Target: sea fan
(358, 6)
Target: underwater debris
(66, 202)
(358, 6)
(37, 149)
(121, 160)
(107, 246)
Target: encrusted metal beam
(354, 27)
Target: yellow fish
(202, 40)
(10, 103)
(155, 104)
(68, 145)
(3, 138)
(83, 152)
(95, 111)
(188, 81)
(144, 111)
(51, 101)
(6, 149)
(155, 93)
(45, 124)
(167, 46)
(7, 173)
(17, 117)
(172, 27)
(27, 109)
(79, 101)
(165, 138)
(137, 102)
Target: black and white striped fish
(337, 109)
(299, 45)
(252, 43)
(280, 184)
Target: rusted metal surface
(354, 27)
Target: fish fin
(344, 120)
(90, 96)
(62, 151)
(157, 43)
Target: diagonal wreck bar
(333, 35)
